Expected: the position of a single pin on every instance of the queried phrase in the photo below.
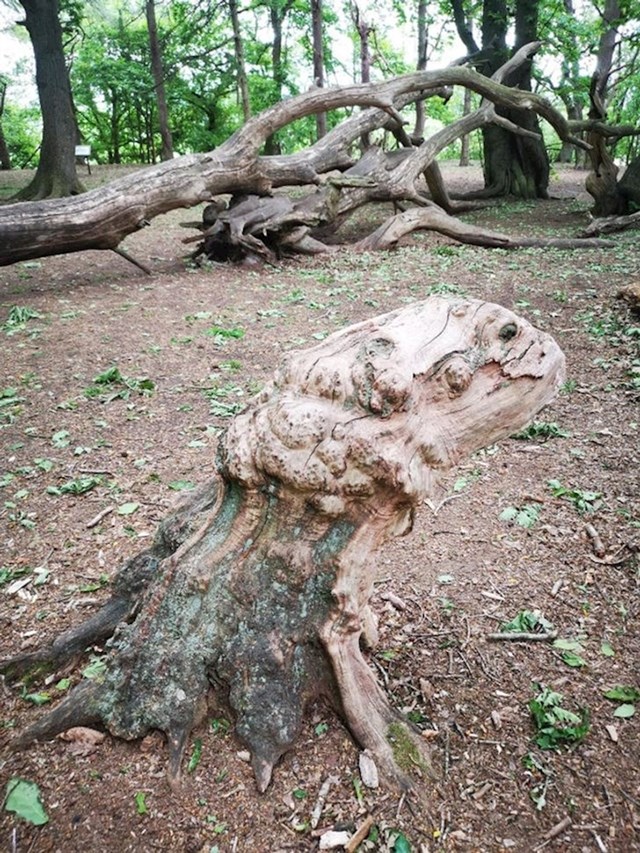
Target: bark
(317, 30)
(278, 11)
(5, 157)
(602, 182)
(238, 47)
(258, 588)
(513, 165)
(418, 130)
(56, 173)
(102, 218)
(157, 70)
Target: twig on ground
(359, 835)
(596, 542)
(132, 260)
(523, 636)
(321, 800)
(98, 518)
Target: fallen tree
(262, 223)
(257, 588)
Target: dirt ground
(499, 542)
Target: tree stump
(258, 586)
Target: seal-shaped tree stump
(258, 586)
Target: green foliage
(524, 516)
(556, 726)
(527, 621)
(583, 501)
(23, 798)
(542, 431)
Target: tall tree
(158, 79)
(56, 173)
(317, 28)
(5, 157)
(238, 47)
(514, 164)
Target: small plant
(18, 317)
(79, 486)
(525, 516)
(527, 621)
(583, 501)
(541, 431)
(628, 696)
(196, 755)
(112, 379)
(221, 335)
(556, 726)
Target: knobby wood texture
(258, 587)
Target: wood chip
(82, 740)
(398, 603)
(558, 829)
(368, 770)
(612, 731)
(359, 835)
(332, 839)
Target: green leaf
(181, 485)
(527, 621)
(95, 669)
(141, 803)
(300, 793)
(60, 438)
(508, 514)
(567, 645)
(44, 464)
(37, 698)
(572, 659)
(622, 694)
(196, 755)
(624, 711)
(23, 798)
(128, 508)
(607, 649)
(401, 844)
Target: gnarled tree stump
(259, 585)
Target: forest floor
(88, 468)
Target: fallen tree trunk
(102, 218)
(258, 588)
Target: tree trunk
(513, 165)
(102, 218)
(5, 157)
(259, 587)
(364, 32)
(465, 140)
(421, 64)
(602, 181)
(317, 28)
(158, 79)
(278, 11)
(56, 173)
(238, 47)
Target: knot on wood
(371, 414)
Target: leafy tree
(513, 164)
(56, 173)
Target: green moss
(405, 753)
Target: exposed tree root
(432, 218)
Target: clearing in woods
(114, 388)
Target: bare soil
(442, 590)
